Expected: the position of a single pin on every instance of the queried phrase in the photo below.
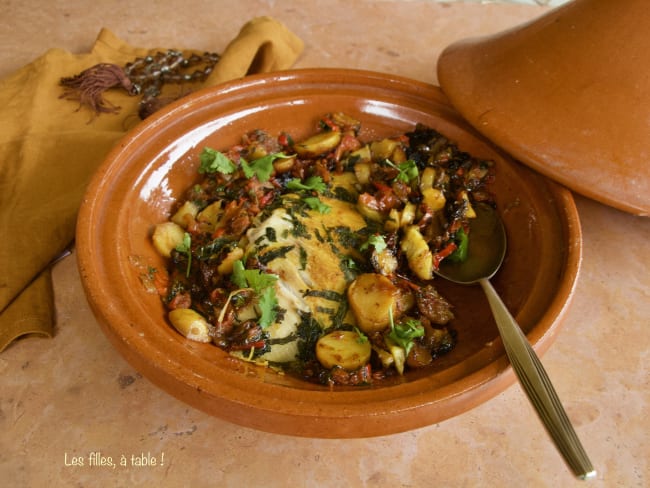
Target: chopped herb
(213, 161)
(186, 248)
(408, 170)
(261, 283)
(315, 204)
(344, 195)
(261, 167)
(275, 253)
(362, 337)
(268, 304)
(212, 248)
(404, 333)
(270, 234)
(303, 258)
(326, 294)
(375, 240)
(462, 243)
(315, 183)
(309, 331)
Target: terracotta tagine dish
(568, 94)
(149, 171)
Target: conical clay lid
(567, 94)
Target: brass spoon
(487, 248)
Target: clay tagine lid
(567, 94)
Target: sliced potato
(418, 254)
(470, 213)
(384, 262)
(190, 324)
(166, 237)
(361, 155)
(362, 171)
(226, 266)
(371, 297)
(399, 355)
(282, 165)
(427, 177)
(211, 213)
(344, 348)
(433, 198)
(408, 214)
(318, 144)
(186, 214)
(383, 149)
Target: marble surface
(73, 398)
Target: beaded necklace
(145, 76)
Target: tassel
(89, 86)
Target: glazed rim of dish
(156, 162)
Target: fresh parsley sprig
(261, 167)
(316, 204)
(405, 333)
(213, 161)
(262, 286)
(407, 170)
(375, 240)
(185, 247)
(314, 183)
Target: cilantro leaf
(268, 304)
(375, 240)
(315, 204)
(251, 278)
(261, 283)
(312, 183)
(462, 241)
(238, 276)
(408, 170)
(185, 247)
(261, 167)
(404, 333)
(213, 161)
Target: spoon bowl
(486, 251)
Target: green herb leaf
(268, 305)
(213, 161)
(251, 278)
(315, 204)
(462, 242)
(315, 183)
(375, 240)
(261, 167)
(186, 248)
(408, 170)
(261, 283)
(404, 333)
(362, 337)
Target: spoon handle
(538, 387)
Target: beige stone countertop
(73, 395)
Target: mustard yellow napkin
(49, 150)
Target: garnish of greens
(313, 183)
(404, 333)
(462, 242)
(213, 161)
(407, 170)
(316, 204)
(375, 240)
(185, 247)
(262, 285)
(261, 167)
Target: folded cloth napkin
(50, 147)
